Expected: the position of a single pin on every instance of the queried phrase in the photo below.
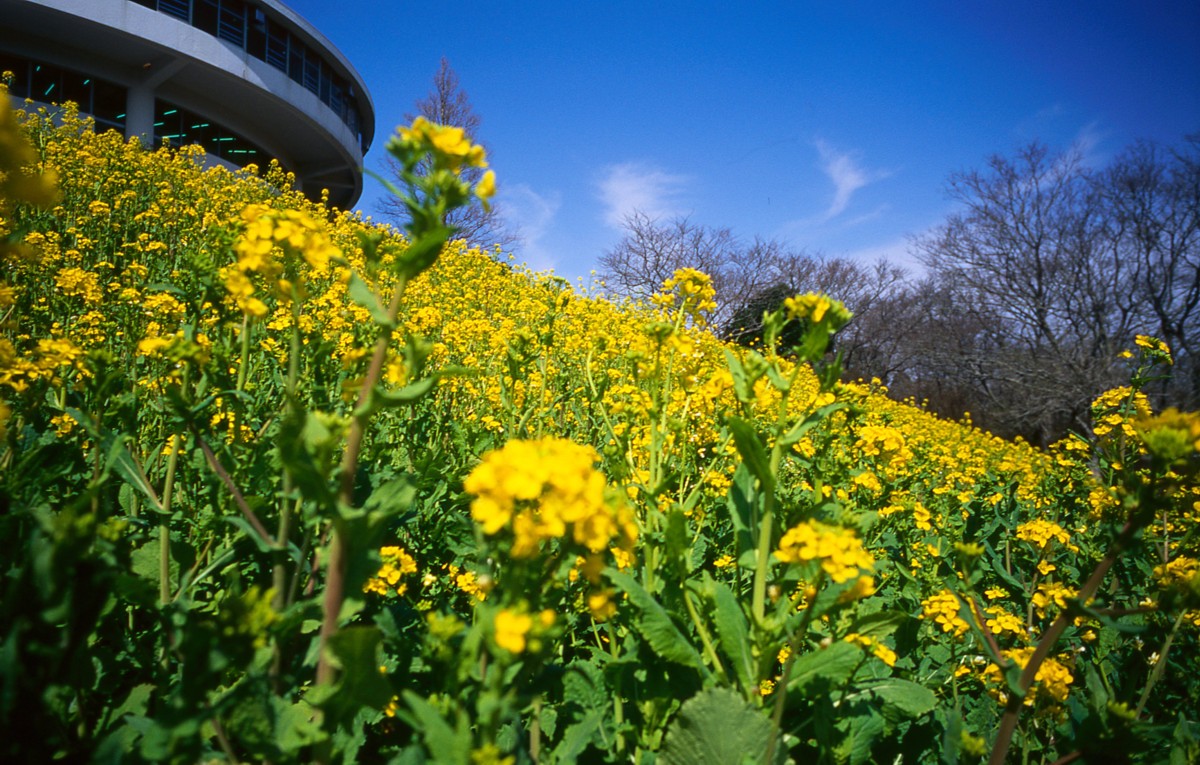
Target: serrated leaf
(583, 684)
(577, 736)
(717, 727)
(655, 625)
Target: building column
(139, 114)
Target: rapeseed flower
(838, 551)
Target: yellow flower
(486, 188)
(1040, 533)
(511, 628)
(839, 551)
(545, 489)
(943, 609)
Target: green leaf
(717, 727)
(824, 668)
(733, 633)
(879, 624)
(362, 294)
(356, 652)
(742, 500)
(583, 684)
(409, 394)
(445, 743)
(904, 699)
(128, 468)
(743, 386)
(808, 423)
(577, 736)
(860, 734)
(754, 454)
(655, 625)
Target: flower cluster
(1051, 683)
(546, 489)
(943, 609)
(816, 308)
(839, 551)
(397, 564)
(692, 291)
(1040, 533)
(269, 233)
(514, 628)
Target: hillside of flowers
(279, 484)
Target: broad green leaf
(879, 624)
(718, 727)
(447, 744)
(356, 653)
(362, 294)
(860, 732)
(754, 454)
(655, 625)
(823, 668)
(904, 699)
(733, 633)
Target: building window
(180, 9)
(103, 100)
(182, 127)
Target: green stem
(1012, 710)
(164, 527)
(245, 359)
(335, 581)
(1159, 666)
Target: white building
(249, 80)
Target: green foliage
(280, 485)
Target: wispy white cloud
(532, 215)
(1088, 142)
(634, 186)
(846, 174)
(898, 252)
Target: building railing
(252, 29)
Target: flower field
(282, 484)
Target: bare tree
(1026, 263)
(652, 250)
(1152, 223)
(447, 104)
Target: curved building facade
(249, 80)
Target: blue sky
(830, 125)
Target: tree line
(1027, 295)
